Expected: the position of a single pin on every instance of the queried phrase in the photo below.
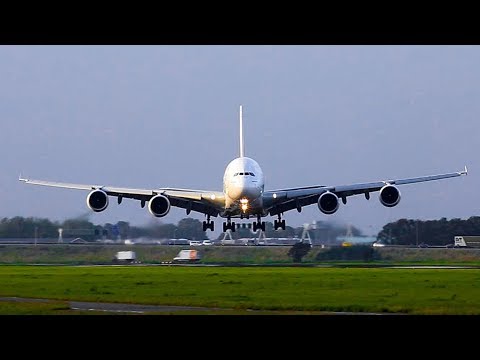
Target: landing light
(212, 196)
(244, 204)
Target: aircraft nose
(235, 192)
(252, 191)
(244, 190)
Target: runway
(114, 307)
(125, 309)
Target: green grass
(280, 289)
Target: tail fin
(241, 133)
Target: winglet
(20, 178)
(241, 133)
(464, 172)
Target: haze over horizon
(167, 116)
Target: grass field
(236, 289)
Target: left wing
(203, 201)
(278, 201)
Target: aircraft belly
(233, 209)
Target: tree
(19, 227)
(299, 250)
(191, 229)
(79, 228)
(163, 231)
(123, 229)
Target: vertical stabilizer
(241, 133)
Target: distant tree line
(431, 232)
(187, 228)
(31, 227)
(400, 232)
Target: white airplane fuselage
(243, 185)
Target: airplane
(244, 195)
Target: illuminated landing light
(244, 204)
(212, 196)
(274, 196)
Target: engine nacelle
(389, 195)
(159, 206)
(97, 200)
(328, 203)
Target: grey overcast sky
(167, 116)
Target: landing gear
(259, 224)
(208, 224)
(229, 225)
(279, 223)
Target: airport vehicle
(466, 241)
(125, 256)
(244, 195)
(178, 242)
(195, 243)
(187, 256)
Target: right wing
(203, 201)
(278, 201)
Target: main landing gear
(229, 225)
(208, 224)
(279, 223)
(259, 224)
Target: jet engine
(328, 203)
(389, 195)
(97, 200)
(159, 206)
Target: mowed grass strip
(409, 291)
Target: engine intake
(389, 195)
(159, 206)
(328, 203)
(97, 200)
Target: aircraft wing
(203, 201)
(279, 201)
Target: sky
(167, 116)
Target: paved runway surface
(141, 309)
(112, 307)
